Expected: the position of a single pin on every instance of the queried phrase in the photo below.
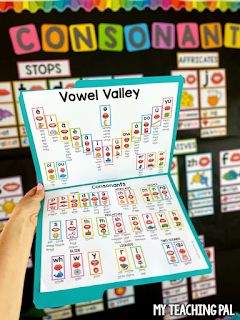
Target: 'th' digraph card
(111, 215)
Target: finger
(36, 192)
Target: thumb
(36, 193)
(39, 192)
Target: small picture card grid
(8, 118)
(88, 307)
(189, 113)
(21, 85)
(199, 184)
(213, 102)
(60, 313)
(205, 285)
(213, 88)
(229, 164)
(7, 115)
(204, 89)
(174, 292)
(6, 93)
(11, 191)
(119, 297)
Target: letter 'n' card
(111, 216)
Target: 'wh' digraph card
(111, 216)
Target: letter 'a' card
(111, 215)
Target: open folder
(111, 216)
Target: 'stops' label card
(84, 142)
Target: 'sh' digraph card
(111, 215)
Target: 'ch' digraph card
(111, 216)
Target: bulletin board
(221, 229)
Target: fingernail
(39, 186)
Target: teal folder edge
(72, 296)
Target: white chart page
(117, 231)
(85, 135)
